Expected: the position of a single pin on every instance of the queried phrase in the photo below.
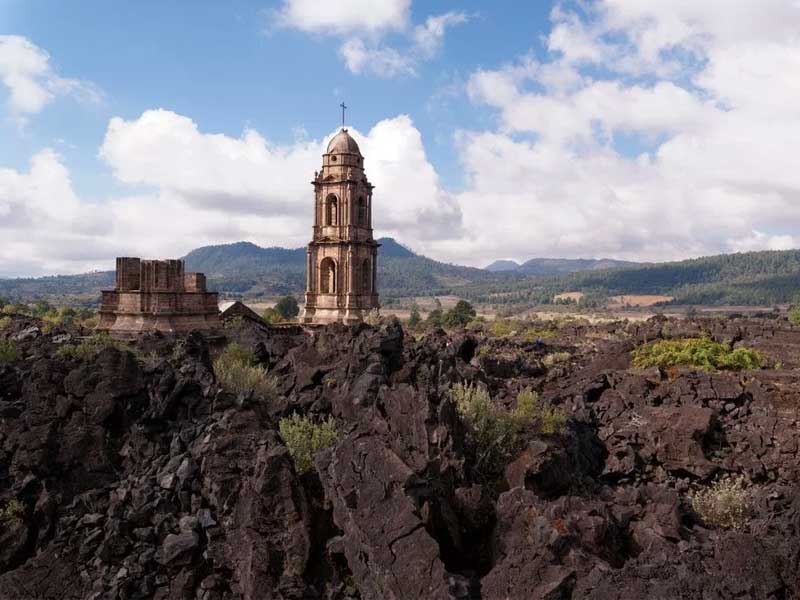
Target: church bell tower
(342, 255)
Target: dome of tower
(342, 143)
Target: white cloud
(386, 61)
(383, 61)
(344, 16)
(667, 134)
(429, 37)
(26, 72)
(206, 189)
(363, 24)
(653, 131)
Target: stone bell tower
(342, 256)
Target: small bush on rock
(555, 358)
(532, 334)
(8, 351)
(794, 315)
(90, 347)
(725, 504)
(4, 323)
(237, 372)
(305, 439)
(502, 328)
(499, 435)
(700, 353)
(270, 315)
(552, 420)
(12, 514)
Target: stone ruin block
(157, 295)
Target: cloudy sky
(632, 129)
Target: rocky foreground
(135, 476)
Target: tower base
(323, 309)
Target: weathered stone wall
(156, 295)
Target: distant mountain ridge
(558, 266)
(246, 270)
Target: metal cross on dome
(344, 108)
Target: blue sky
(229, 66)
(591, 128)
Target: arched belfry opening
(366, 277)
(331, 210)
(327, 276)
(342, 255)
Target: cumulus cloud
(659, 131)
(203, 188)
(344, 16)
(26, 72)
(363, 25)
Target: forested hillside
(249, 271)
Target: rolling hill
(249, 271)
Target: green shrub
(12, 514)
(434, 319)
(237, 353)
(532, 334)
(237, 372)
(552, 420)
(270, 315)
(503, 327)
(725, 504)
(305, 439)
(288, 308)
(458, 316)
(700, 353)
(4, 323)
(90, 322)
(90, 347)
(527, 405)
(8, 351)
(17, 309)
(499, 435)
(794, 315)
(414, 318)
(555, 358)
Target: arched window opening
(362, 212)
(327, 276)
(331, 211)
(366, 277)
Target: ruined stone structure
(342, 256)
(157, 295)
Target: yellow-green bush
(503, 327)
(700, 353)
(499, 435)
(794, 315)
(4, 323)
(12, 513)
(237, 372)
(8, 351)
(725, 504)
(90, 347)
(90, 322)
(552, 420)
(555, 358)
(532, 334)
(304, 438)
(270, 315)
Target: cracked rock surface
(139, 478)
